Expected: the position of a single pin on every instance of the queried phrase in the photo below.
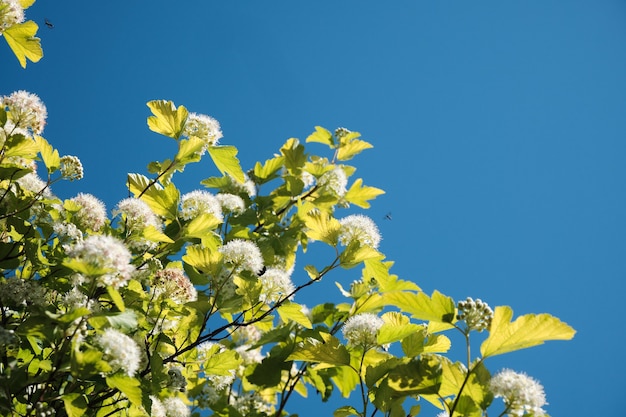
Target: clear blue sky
(498, 129)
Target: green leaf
(225, 159)
(346, 411)
(321, 135)
(295, 158)
(49, 155)
(162, 200)
(437, 308)
(526, 331)
(222, 363)
(189, 150)
(359, 195)
(75, 404)
(167, 119)
(323, 227)
(354, 147)
(130, 387)
(155, 235)
(22, 41)
(268, 171)
(395, 328)
(329, 351)
(292, 311)
(201, 225)
(116, 298)
(19, 145)
(355, 253)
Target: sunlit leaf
(129, 386)
(360, 195)
(155, 235)
(222, 363)
(292, 311)
(396, 328)
(295, 158)
(21, 146)
(167, 119)
(75, 404)
(346, 411)
(268, 171)
(323, 227)
(225, 159)
(49, 155)
(351, 149)
(526, 331)
(329, 350)
(321, 135)
(355, 254)
(22, 41)
(116, 298)
(438, 307)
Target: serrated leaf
(526, 331)
(130, 387)
(49, 155)
(162, 200)
(439, 307)
(359, 195)
(225, 159)
(222, 363)
(189, 150)
(328, 351)
(346, 411)
(22, 41)
(351, 149)
(395, 328)
(268, 171)
(293, 311)
(323, 227)
(355, 253)
(153, 234)
(75, 404)
(167, 119)
(201, 225)
(295, 158)
(321, 135)
(21, 146)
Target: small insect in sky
(48, 23)
(388, 216)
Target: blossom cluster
(476, 314)
(521, 393)
(361, 330)
(26, 110)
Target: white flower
(231, 203)
(92, 213)
(17, 292)
(276, 284)
(335, 181)
(120, 350)
(11, 13)
(106, 252)
(476, 314)
(244, 255)
(199, 202)
(360, 228)
(175, 407)
(204, 128)
(157, 409)
(26, 110)
(521, 393)
(31, 182)
(361, 330)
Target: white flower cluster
(204, 128)
(276, 284)
(137, 213)
(92, 213)
(11, 13)
(360, 228)
(476, 314)
(199, 202)
(361, 330)
(120, 350)
(335, 181)
(173, 283)
(105, 252)
(243, 255)
(231, 203)
(176, 407)
(17, 292)
(71, 168)
(521, 393)
(26, 110)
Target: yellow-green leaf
(130, 387)
(269, 170)
(438, 307)
(26, 3)
(321, 135)
(163, 201)
(351, 149)
(323, 227)
(526, 331)
(395, 328)
(359, 195)
(75, 404)
(22, 41)
(292, 311)
(167, 119)
(49, 155)
(155, 235)
(225, 159)
(116, 297)
(328, 351)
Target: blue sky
(498, 130)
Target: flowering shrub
(181, 303)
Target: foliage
(185, 302)
(20, 35)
